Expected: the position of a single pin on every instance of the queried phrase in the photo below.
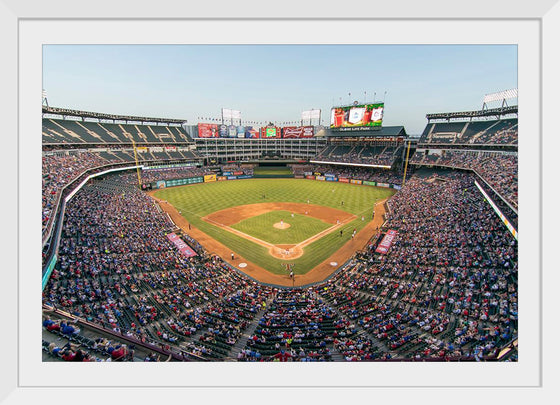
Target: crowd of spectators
(295, 327)
(448, 286)
(247, 169)
(508, 136)
(499, 170)
(170, 173)
(446, 289)
(493, 132)
(353, 172)
(78, 347)
(59, 170)
(117, 268)
(373, 155)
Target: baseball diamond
(243, 228)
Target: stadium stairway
(376, 343)
(241, 343)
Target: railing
(161, 348)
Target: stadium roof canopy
(494, 112)
(374, 133)
(88, 114)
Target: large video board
(359, 115)
(270, 132)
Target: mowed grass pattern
(302, 227)
(198, 200)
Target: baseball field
(268, 223)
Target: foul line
(270, 245)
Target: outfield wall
(333, 178)
(196, 180)
(211, 178)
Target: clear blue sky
(275, 82)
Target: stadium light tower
(499, 96)
(44, 98)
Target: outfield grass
(198, 200)
(302, 227)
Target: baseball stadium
(227, 240)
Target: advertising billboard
(232, 131)
(297, 132)
(207, 130)
(251, 132)
(241, 131)
(181, 245)
(223, 131)
(386, 242)
(359, 115)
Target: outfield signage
(386, 242)
(331, 177)
(209, 178)
(179, 182)
(181, 245)
(224, 178)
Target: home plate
(334, 264)
(242, 265)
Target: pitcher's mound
(280, 225)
